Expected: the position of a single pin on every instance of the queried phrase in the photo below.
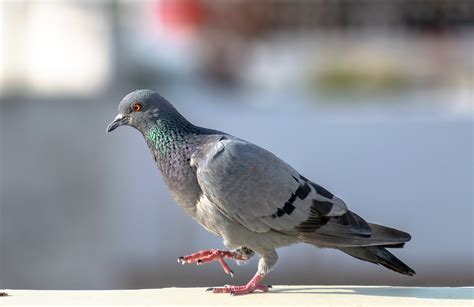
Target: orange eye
(137, 107)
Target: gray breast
(180, 176)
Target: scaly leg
(267, 262)
(210, 255)
(250, 287)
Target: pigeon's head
(140, 108)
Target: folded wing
(255, 188)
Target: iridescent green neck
(165, 136)
(160, 139)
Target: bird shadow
(417, 292)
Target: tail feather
(399, 245)
(380, 236)
(379, 255)
(380, 232)
(345, 235)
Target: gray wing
(261, 192)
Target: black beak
(119, 120)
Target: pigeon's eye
(137, 107)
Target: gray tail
(354, 236)
(380, 255)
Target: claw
(250, 287)
(207, 256)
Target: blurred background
(371, 99)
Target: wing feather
(255, 188)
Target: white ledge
(278, 295)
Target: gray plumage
(247, 195)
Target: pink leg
(210, 255)
(250, 287)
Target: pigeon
(248, 196)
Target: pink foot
(238, 290)
(250, 287)
(210, 255)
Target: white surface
(279, 295)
